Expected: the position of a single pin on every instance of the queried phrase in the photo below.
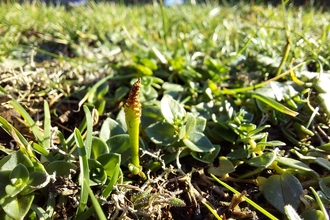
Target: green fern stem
(132, 115)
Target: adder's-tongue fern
(132, 115)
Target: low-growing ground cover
(145, 112)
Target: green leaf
(150, 63)
(143, 70)
(281, 190)
(6, 150)
(17, 207)
(198, 142)
(94, 91)
(99, 147)
(148, 93)
(95, 202)
(37, 212)
(203, 109)
(47, 126)
(150, 115)
(200, 124)
(4, 181)
(325, 146)
(11, 161)
(255, 130)
(271, 144)
(249, 128)
(323, 162)
(97, 173)
(3, 90)
(110, 128)
(113, 180)
(207, 157)
(62, 168)
(89, 132)
(238, 154)
(120, 144)
(190, 123)
(8, 128)
(40, 149)
(172, 87)
(84, 171)
(225, 167)
(254, 137)
(171, 109)
(324, 184)
(313, 214)
(321, 83)
(220, 133)
(325, 200)
(320, 203)
(35, 129)
(109, 161)
(162, 133)
(37, 180)
(19, 177)
(178, 63)
(121, 92)
(121, 119)
(264, 160)
(297, 165)
(274, 104)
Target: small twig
(156, 156)
(130, 187)
(178, 164)
(321, 131)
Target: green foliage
(20, 177)
(179, 128)
(225, 167)
(251, 79)
(281, 190)
(23, 174)
(259, 208)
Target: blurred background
(306, 3)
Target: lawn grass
(225, 66)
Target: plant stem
(256, 206)
(132, 116)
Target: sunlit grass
(219, 32)
(214, 61)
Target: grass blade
(272, 103)
(114, 178)
(8, 128)
(96, 203)
(3, 90)
(89, 131)
(165, 23)
(84, 169)
(256, 206)
(35, 129)
(47, 125)
(320, 203)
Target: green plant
(243, 78)
(177, 128)
(266, 213)
(22, 172)
(132, 118)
